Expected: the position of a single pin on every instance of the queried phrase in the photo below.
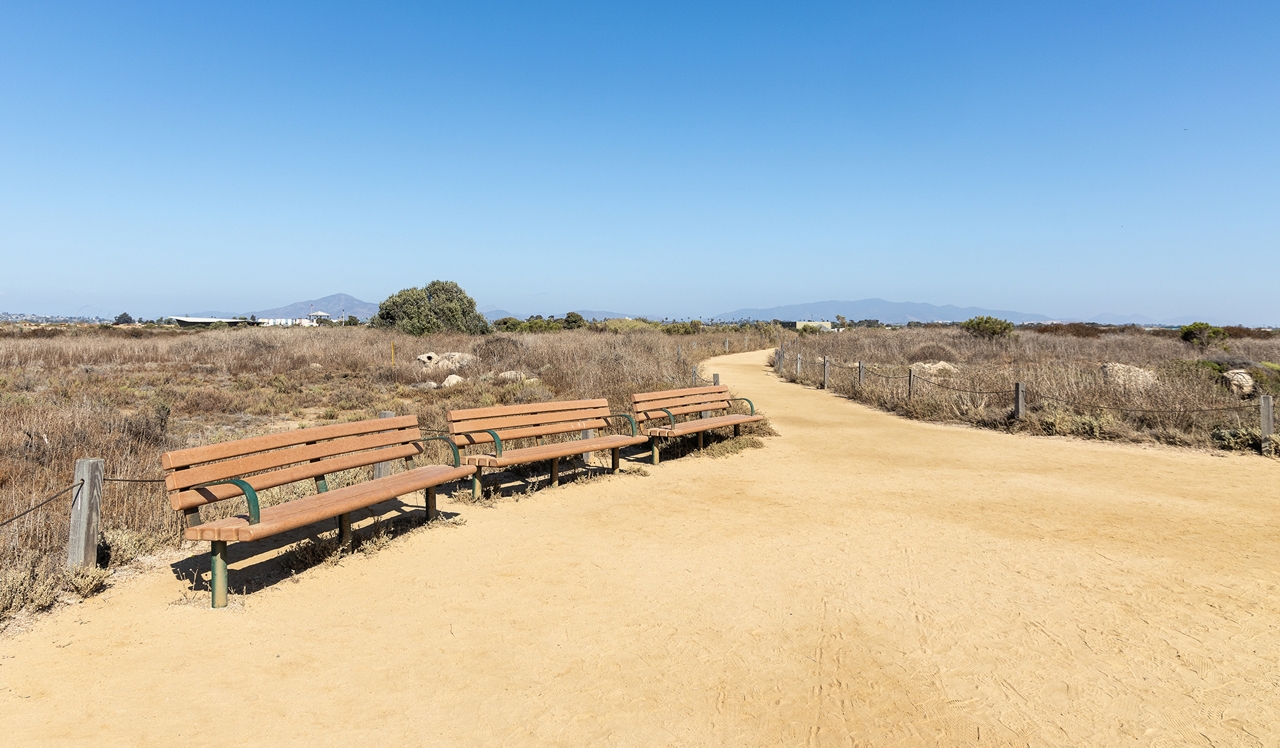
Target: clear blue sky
(684, 158)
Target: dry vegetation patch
(1181, 394)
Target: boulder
(447, 361)
(940, 369)
(512, 376)
(1239, 381)
(1129, 377)
(451, 380)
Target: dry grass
(1187, 378)
(129, 395)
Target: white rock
(1123, 375)
(940, 369)
(446, 361)
(427, 385)
(451, 380)
(512, 376)
(1239, 381)
(317, 366)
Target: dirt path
(863, 580)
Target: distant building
(822, 325)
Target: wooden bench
(500, 426)
(659, 411)
(204, 475)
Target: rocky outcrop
(452, 380)
(1240, 382)
(939, 369)
(1127, 377)
(446, 361)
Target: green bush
(987, 327)
(442, 306)
(1201, 333)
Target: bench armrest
(457, 457)
(664, 410)
(745, 400)
(250, 496)
(627, 416)
(497, 441)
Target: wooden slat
(701, 424)
(202, 496)
(550, 451)
(498, 423)
(680, 402)
(258, 462)
(640, 397)
(526, 408)
(187, 457)
(654, 415)
(526, 432)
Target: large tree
(442, 306)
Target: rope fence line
(1072, 403)
(19, 516)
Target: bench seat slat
(550, 451)
(195, 455)
(254, 463)
(312, 509)
(201, 496)
(701, 424)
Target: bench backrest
(470, 426)
(649, 405)
(288, 456)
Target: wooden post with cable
(1019, 401)
(826, 372)
(1267, 412)
(86, 512)
(383, 469)
(862, 374)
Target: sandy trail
(862, 580)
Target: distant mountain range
(494, 315)
(893, 312)
(337, 305)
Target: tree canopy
(441, 306)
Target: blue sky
(681, 159)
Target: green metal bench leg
(555, 471)
(431, 503)
(218, 572)
(345, 537)
(477, 489)
(737, 429)
(654, 446)
(700, 441)
(614, 467)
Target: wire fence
(783, 365)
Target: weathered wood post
(862, 375)
(715, 379)
(588, 434)
(726, 345)
(679, 357)
(86, 509)
(911, 382)
(1019, 400)
(797, 365)
(693, 379)
(1268, 422)
(826, 371)
(383, 469)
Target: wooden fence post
(797, 366)
(693, 380)
(715, 379)
(862, 374)
(679, 358)
(86, 508)
(1019, 400)
(383, 469)
(726, 345)
(1268, 422)
(826, 371)
(911, 382)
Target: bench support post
(477, 489)
(555, 471)
(344, 531)
(737, 429)
(218, 572)
(614, 462)
(653, 444)
(431, 503)
(700, 441)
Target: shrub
(1201, 333)
(574, 321)
(123, 318)
(441, 306)
(987, 327)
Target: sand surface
(862, 580)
